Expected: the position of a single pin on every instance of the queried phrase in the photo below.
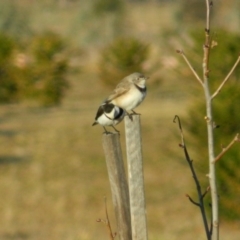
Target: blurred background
(58, 60)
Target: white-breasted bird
(130, 92)
(109, 115)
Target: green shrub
(38, 72)
(122, 57)
(44, 47)
(226, 111)
(46, 74)
(8, 82)
(48, 82)
(107, 6)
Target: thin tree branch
(224, 150)
(211, 224)
(192, 201)
(198, 186)
(226, 78)
(206, 191)
(208, 5)
(207, 45)
(190, 66)
(107, 222)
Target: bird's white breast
(130, 99)
(104, 121)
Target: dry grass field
(53, 176)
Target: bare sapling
(212, 231)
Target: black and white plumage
(109, 115)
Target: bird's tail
(95, 123)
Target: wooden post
(118, 183)
(135, 178)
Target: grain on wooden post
(118, 183)
(136, 179)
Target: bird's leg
(134, 113)
(129, 115)
(115, 129)
(105, 131)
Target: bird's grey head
(138, 78)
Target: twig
(107, 222)
(190, 66)
(211, 223)
(192, 201)
(224, 150)
(200, 204)
(205, 193)
(226, 79)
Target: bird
(109, 115)
(129, 93)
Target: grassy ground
(53, 176)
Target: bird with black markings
(129, 93)
(109, 115)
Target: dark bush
(107, 6)
(47, 81)
(8, 82)
(38, 71)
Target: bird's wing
(121, 89)
(99, 113)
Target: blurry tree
(46, 73)
(38, 71)
(107, 6)
(8, 83)
(120, 58)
